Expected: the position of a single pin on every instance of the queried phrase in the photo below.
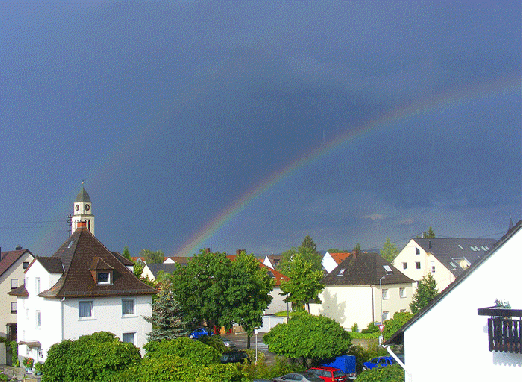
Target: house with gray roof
(472, 331)
(363, 289)
(444, 258)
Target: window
(433, 267)
(128, 337)
(13, 307)
(85, 309)
(127, 306)
(417, 251)
(38, 319)
(37, 285)
(385, 294)
(385, 316)
(14, 283)
(26, 264)
(404, 265)
(104, 277)
(417, 265)
(402, 292)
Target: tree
(304, 282)
(357, 248)
(308, 337)
(426, 291)
(430, 234)
(126, 253)
(201, 286)
(398, 320)
(392, 373)
(152, 257)
(389, 251)
(248, 293)
(95, 357)
(168, 319)
(309, 252)
(138, 268)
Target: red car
(329, 374)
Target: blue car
(198, 333)
(379, 362)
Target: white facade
(450, 341)
(328, 262)
(277, 304)
(12, 278)
(416, 263)
(363, 304)
(43, 322)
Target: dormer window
(104, 277)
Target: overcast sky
(252, 124)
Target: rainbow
(506, 85)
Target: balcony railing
(504, 329)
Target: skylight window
(387, 268)
(341, 272)
(70, 244)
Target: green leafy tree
(357, 248)
(168, 319)
(248, 293)
(152, 257)
(392, 373)
(430, 234)
(138, 268)
(426, 291)
(304, 282)
(201, 286)
(95, 357)
(307, 249)
(126, 253)
(307, 337)
(389, 251)
(398, 320)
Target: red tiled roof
(10, 257)
(278, 276)
(340, 256)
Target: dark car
(379, 362)
(234, 357)
(299, 377)
(329, 374)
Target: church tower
(83, 211)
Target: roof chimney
(429, 244)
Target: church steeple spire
(83, 211)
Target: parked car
(345, 363)
(234, 357)
(329, 374)
(379, 362)
(198, 333)
(298, 377)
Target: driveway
(240, 341)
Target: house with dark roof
(472, 331)
(83, 288)
(363, 289)
(12, 267)
(444, 258)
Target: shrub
(354, 328)
(183, 347)
(3, 377)
(94, 357)
(393, 373)
(372, 328)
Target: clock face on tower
(87, 207)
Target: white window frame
(418, 265)
(126, 340)
(15, 310)
(14, 283)
(385, 294)
(124, 306)
(38, 319)
(402, 292)
(37, 285)
(83, 303)
(404, 265)
(109, 278)
(385, 316)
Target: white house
(12, 267)
(363, 289)
(443, 258)
(83, 288)
(330, 261)
(461, 336)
